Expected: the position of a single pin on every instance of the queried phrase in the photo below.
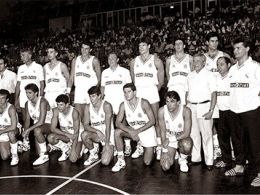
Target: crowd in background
(231, 21)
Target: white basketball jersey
(34, 111)
(84, 73)
(145, 73)
(174, 124)
(211, 63)
(179, 70)
(97, 118)
(5, 119)
(66, 121)
(136, 118)
(54, 79)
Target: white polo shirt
(113, 82)
(223, 92)
(201, 85)
(245, 86)
(8, 81)
(26, 75)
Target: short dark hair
(53, 46)
(26, 49)
(181, 39)
(246, 42)
(62, 98)
(173, 95)
(94, 90)
(211, 34)
(145, 39)
(130, 85)
(32, 87)
(5, 92)
(86, 42)
(4, 59)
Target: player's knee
(166, 166)
(37, 132)
(84, 135)
(185, 146)
(5, 155)
(147, 161)
(73, 158)
(51, 138)
(118, 133)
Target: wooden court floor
(56, 177)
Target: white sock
(14, 148)
(127, 142)
(215, 140)
(120, 155)
(183, 157)
(93, 151)
(43, 148)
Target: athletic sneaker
(183, 165)
(217, 152)
(93, 157)
(14, 160)
(20, 146)
(138, 152)
(53, 148)
(63, 156)
(26, 145)
(120, 164)
(65, 152)
(158, 153)
(41, 160)
(128, 150)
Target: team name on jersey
(144, 75)
(214, 70)
(113, 82)
(133, 123)
(28, 77)
(223, 93)
(79, 74)
(171, 133)
(55, 80)
(239, 85)
(98, 123)
(179, 73)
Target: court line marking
(72, 178)
(63, 177)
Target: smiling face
(31, 95)
(198, 63)
(143, 48)
(222, 66)
(51, 53)
(26, 56)
(112, 59)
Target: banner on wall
(58, 24)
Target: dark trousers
(250, 122)
(229, 126)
